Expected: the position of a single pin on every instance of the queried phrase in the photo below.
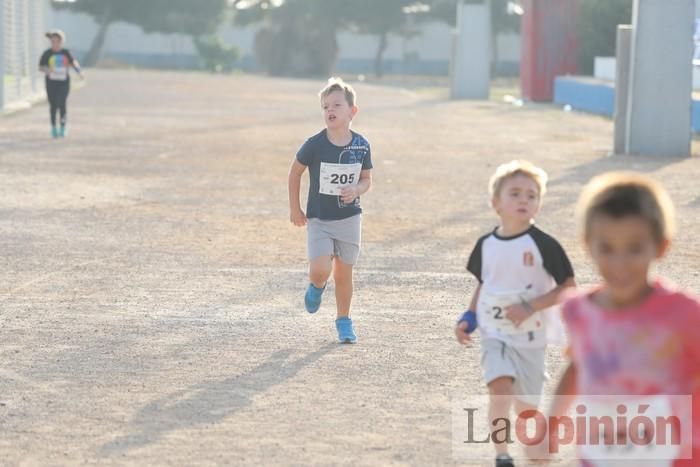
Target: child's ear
(663, 248)
(495, 203)
(586, 245)
(353, 111)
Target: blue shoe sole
(346, 337)
(311, 305)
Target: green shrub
(215, 56)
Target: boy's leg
(64, 103)
(342, 276)
(53, 107)
(529, 383)
(346, 249)
(320, 249)
(499, 374)
(500, 402)
(62, 106)
(53, 110)
(320, 270)
(346, 255)
(522, 407)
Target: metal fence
(22, 27)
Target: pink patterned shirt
(650, 349)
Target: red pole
(549, 46)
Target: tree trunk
(93, 55)
(379, 58)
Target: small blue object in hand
(469, 317)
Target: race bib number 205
(334, 177)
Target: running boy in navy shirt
(339, 162)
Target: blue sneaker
(62, 132)
(346, 334)
(54, 132)
(312, 299)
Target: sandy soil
(152, 285)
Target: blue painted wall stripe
(598, 98)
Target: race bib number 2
(491, 312)
(334, 177)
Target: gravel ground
(152, 284)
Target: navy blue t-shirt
(324, 160)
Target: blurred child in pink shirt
(631, 335)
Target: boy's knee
(503, 386)
(319, 271)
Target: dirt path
(151, 283)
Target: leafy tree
(298, 37)
(597, 29)
(379, 18)
(193, 18)
(215, 56)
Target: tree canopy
(194, 18)
(291, 27)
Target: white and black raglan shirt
(532, 261)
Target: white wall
(433, 44)
(605, 70)
(80, 30)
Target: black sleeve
(306, 153)
(475, 260)
(70, 57)
(554, 257)
(367, 161)
(44, 60)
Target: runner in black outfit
(55, 63)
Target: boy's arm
(565, 392)
(44, 63)
(461, 328)
(296, 215)
(76, 67)
(551, 298)
(519, 312)
(349, 193)
(74, 63)
(475, 297)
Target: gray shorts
(339, 238)
(525, 366)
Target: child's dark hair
(621, 194)
(57, 33)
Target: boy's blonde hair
(514, 168)
(622, 194)
(337, 84)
